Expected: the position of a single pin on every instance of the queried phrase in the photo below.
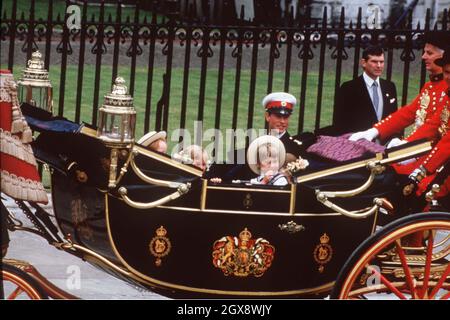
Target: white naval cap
(279, 102)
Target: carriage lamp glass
(34, 86)
(117, 116)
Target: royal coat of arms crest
(243, 256)
(160, 245)
(323, 252)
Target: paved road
(62, 269)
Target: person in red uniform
(19, 175)
(430, 113)
(424, 107)
(427, 166)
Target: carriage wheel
(386, 266)
(17, 284)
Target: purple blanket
(342, 149)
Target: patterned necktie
(375, 98)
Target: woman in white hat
(155, 141)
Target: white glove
(369, 135)
(395, 142)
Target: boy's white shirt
(282, 181)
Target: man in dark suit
(362, 102)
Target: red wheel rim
(427, 288)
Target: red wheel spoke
(441, 281)
(387, 283)
(428, 265)
(15, 293)
(408, 276)
(402, 272)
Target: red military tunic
(434, 160)
(421, 111)
(19, 175)
(437, 128)
(441, 151)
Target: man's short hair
(372, 51)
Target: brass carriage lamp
(34, 86)
(117, 117)
(116, 125)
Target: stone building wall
(437, 8)
(374, 12)
(369, 10)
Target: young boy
(266, 156)
(194, 155)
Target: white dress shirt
(276, 180)
(281, 134)
(369, 82)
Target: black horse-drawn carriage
(159, 224)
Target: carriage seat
(43, 121)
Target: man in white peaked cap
(279, 107)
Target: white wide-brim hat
(151, 137)
(252, 152)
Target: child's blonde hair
(192, 153)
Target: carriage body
(226, 240)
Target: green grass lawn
(193, 88)
(210, 96)
(226, 115)
(140, 95)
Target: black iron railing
(181, 70)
